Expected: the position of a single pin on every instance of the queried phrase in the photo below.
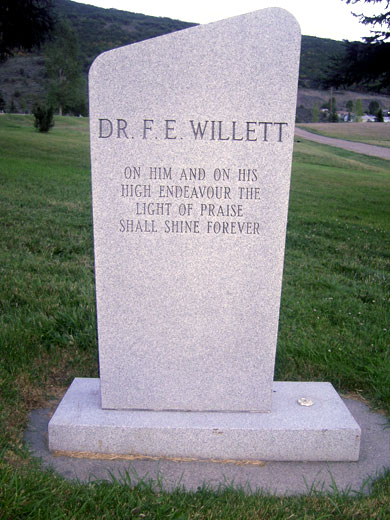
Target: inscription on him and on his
(191, 199)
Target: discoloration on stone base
(111, 456)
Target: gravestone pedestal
(325, 431)
(191, 145)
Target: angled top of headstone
(191, 141)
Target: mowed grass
(334, 323)
(336, 290)
(371, 133)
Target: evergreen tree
(382, 20)
(63, 65)
(333, 117)
(367, 63)
(2, 102)
(379, 116)
(12, 106)
(349, 107)
(358, 110)
(24, 24)
(373, 108)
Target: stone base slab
(324, 431)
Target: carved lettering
(105, 128)
(148, 126)
(212, 130)
(181, 226)
(137, 226)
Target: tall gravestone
(191, 145)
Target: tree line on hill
(77, 33)
(353, 111)
(365, 64)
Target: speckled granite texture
(191, 142)
(191, 146)
(325, 431)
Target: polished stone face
(191, 139)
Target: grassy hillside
(333, 323)
(376, 134)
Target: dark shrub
(43, 117)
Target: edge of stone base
(323, 431)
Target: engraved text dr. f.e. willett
(206, 130)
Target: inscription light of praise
(211, 130)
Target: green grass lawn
(371, 133)
(334, 323)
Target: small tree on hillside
(333, 117)
(12, 107)
(379, 116)
(358, 110)
(64, 70)
(316, 113)
(373, 108)
(349, 107)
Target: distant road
(366, 149)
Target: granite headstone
(191, 145)
(191, 138)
